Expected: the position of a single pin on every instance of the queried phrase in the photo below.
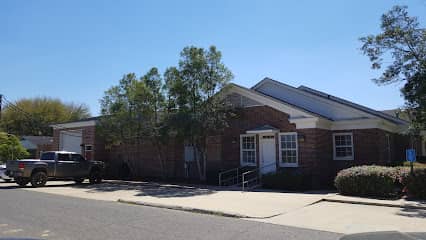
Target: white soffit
(74, 124)
(269, 101)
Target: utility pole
(1, 102)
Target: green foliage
(135, 111)
(288, 180)
(185, 104)
(368, 181)
(11, 148)
(133, 108)
(414, 183)
(32, 116)
(192, 90)
(404, 41)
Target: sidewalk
(399, 203)
(255, 204)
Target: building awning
(263, 129)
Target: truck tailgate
(12, 165)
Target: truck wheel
(95, 177)
(79, 180)
(22, 181)
(38, 179)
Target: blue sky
(75, 50)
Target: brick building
(278, 127)
(37, 144)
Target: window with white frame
(248, 150)
(343, 146)
(288, 149)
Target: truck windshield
(47, 156)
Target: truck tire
(78, 180)
(38, 179)
(22, 182)
(95, 177)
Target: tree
(186, 106)
(33, 116)
(192, 91)
(403, 41)
(133, 113)
(11, 148)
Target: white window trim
(350, 158)
(87, 145)
(242, 163)
(282, 164)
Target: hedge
(414, 184)
(368, 181)
(288, 180)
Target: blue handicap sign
(410, 155)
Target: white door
(267, 154)
(70, 141)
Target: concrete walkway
(259, 204)
(399, 203)
(353, 218)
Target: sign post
(410, 155)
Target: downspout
(389, 148)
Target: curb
(374, 204)
(186, 209)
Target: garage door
(71, 141)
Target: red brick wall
(142, 159)
(223, 152)
(250, 118)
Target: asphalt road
(31, 215)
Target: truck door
(82, 165)
(65, 166)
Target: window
(288, 149)
(64, 157)
(88, 148)
(248, 150)
(48, 156)
(77, 158)
(189, 153)
(343, 146)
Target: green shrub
(368, 181)
(288, 180)
(414, 184)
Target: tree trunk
(160, 159)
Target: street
(26, 214)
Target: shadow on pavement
(141, 188)
(153, 189)
(414, 213)
(390, 235)
(147, 189)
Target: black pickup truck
(54, 165)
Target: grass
(416, 165)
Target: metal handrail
(228, 171)
(243, 176)
(243, 182)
